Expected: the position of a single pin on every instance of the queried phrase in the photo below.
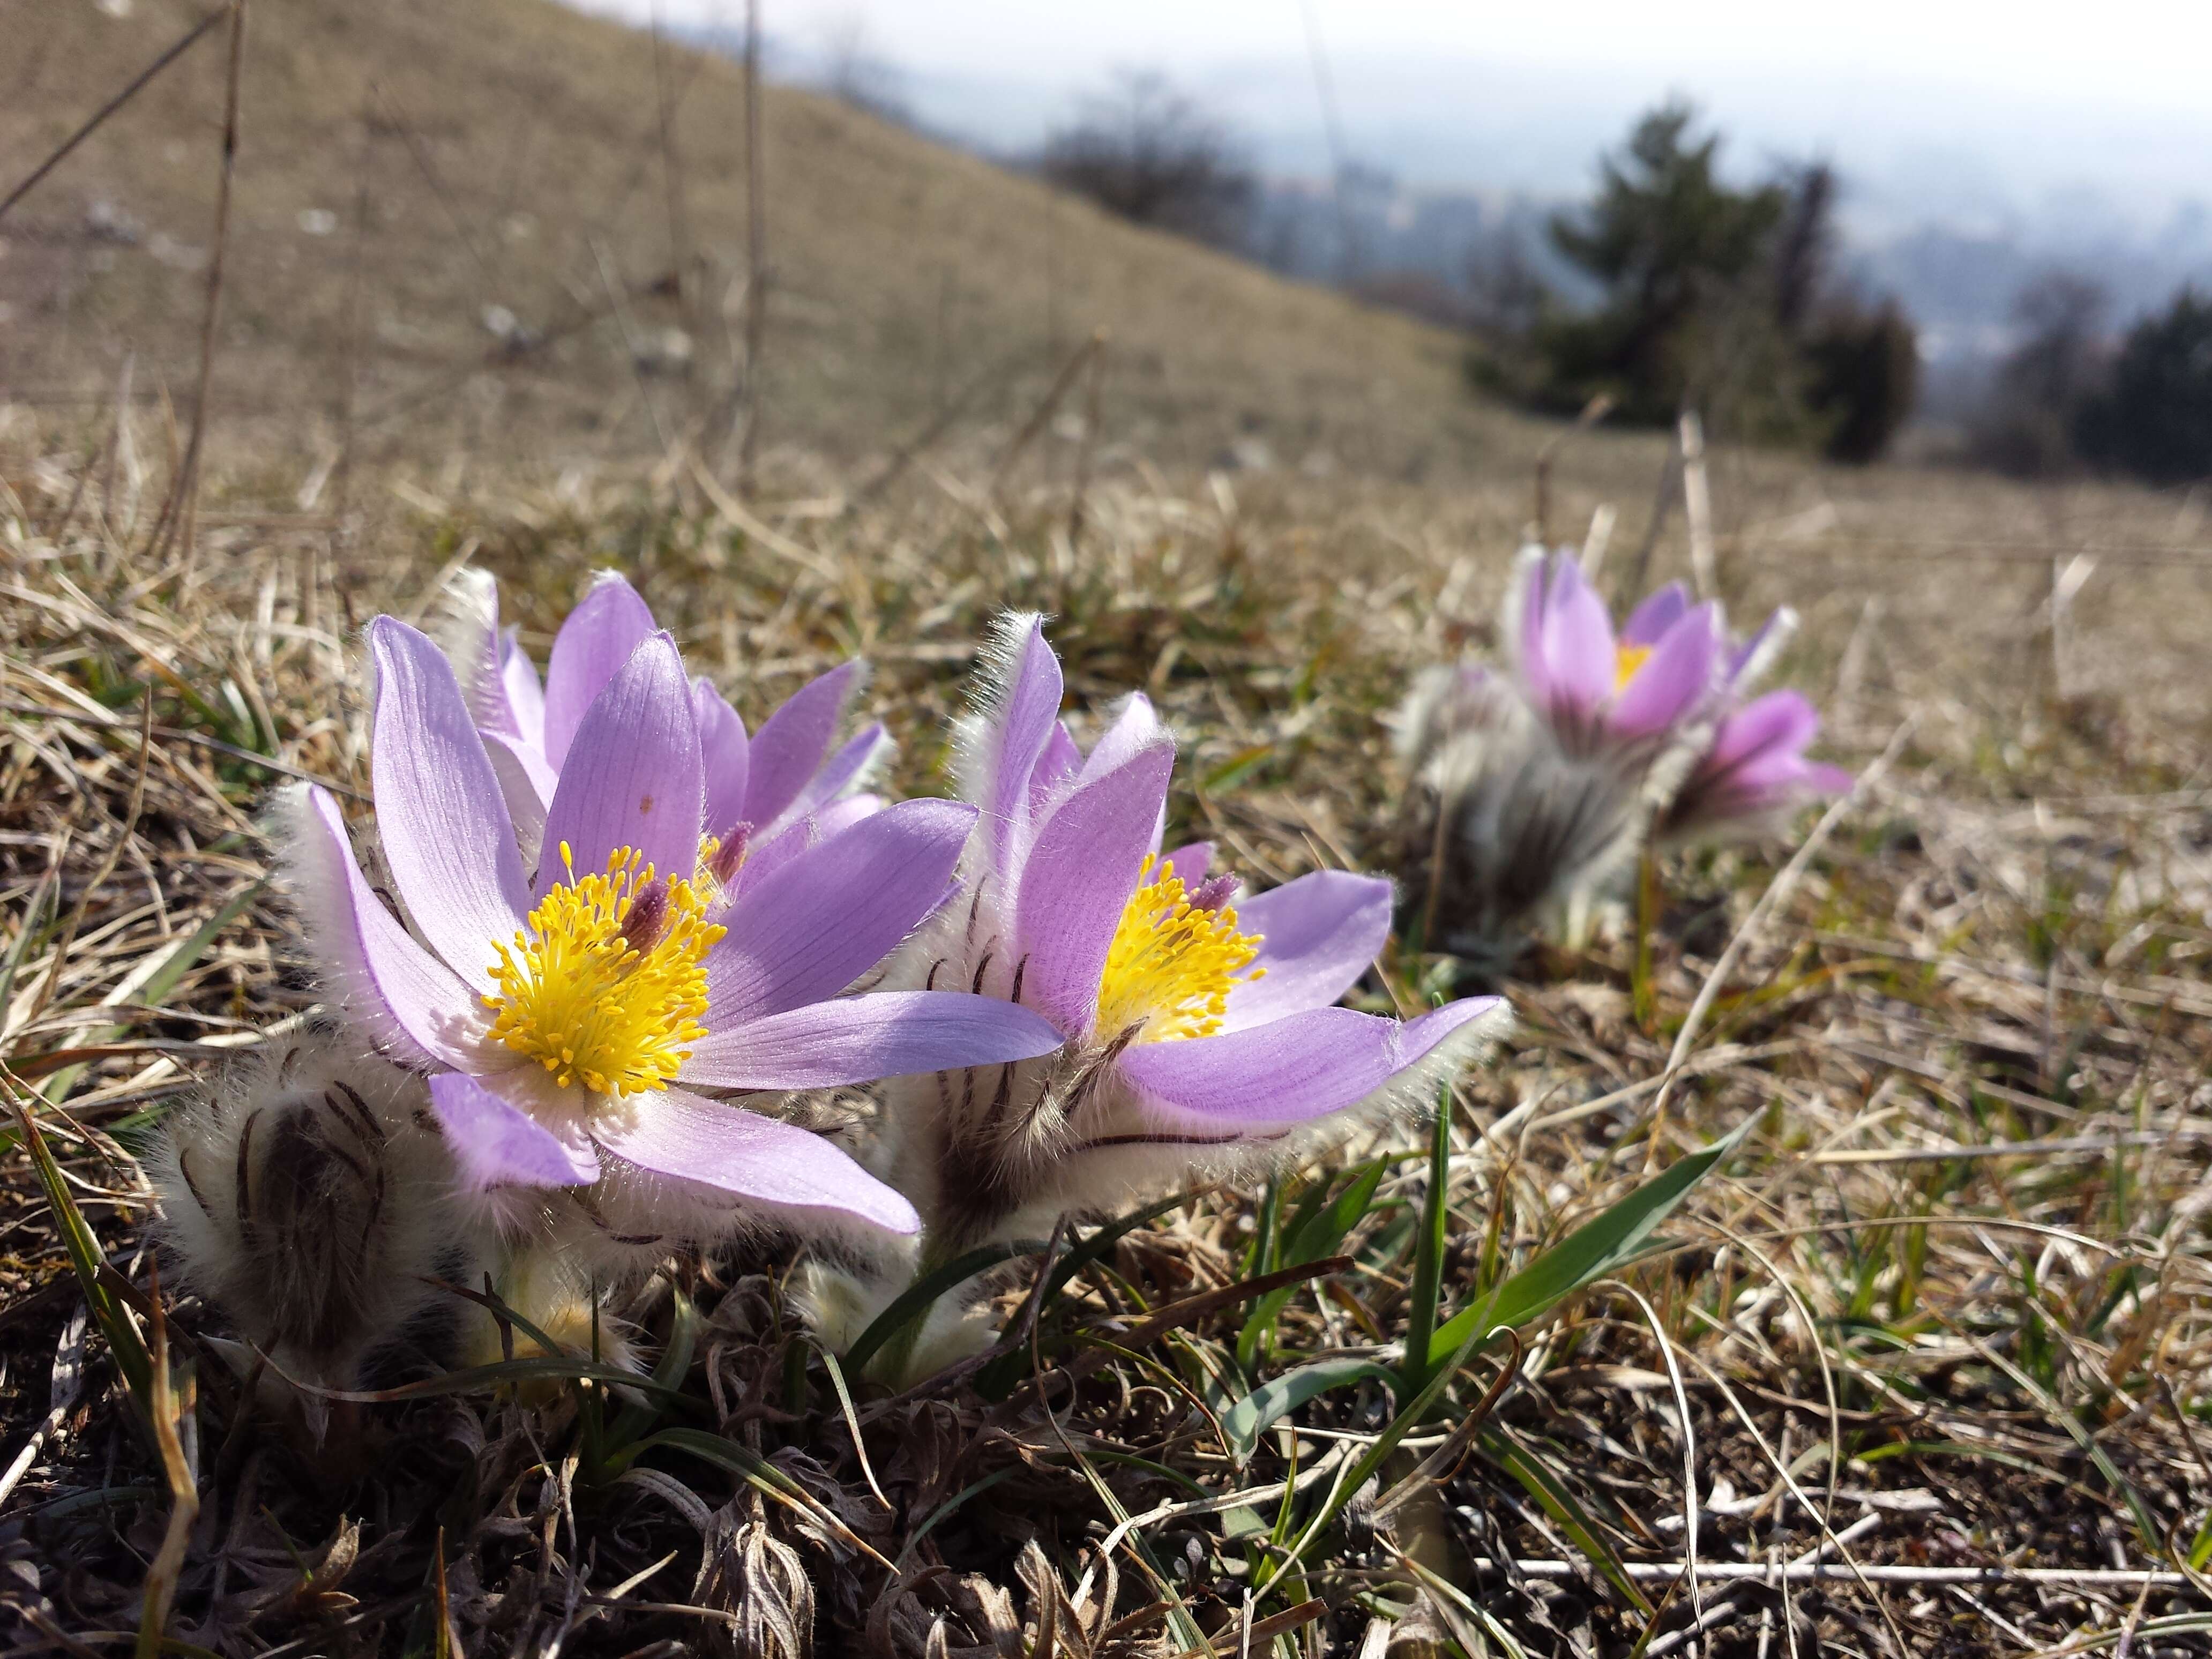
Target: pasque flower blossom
(789, 778)
(1528, 795)
(1633, 691)
(569, 1016)
(1198, 1025)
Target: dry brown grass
(1951, 1299)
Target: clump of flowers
(581, 1024)
(1198, 1030)
(1529, 792)
(598, 928)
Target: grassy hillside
(410, 169)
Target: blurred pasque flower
(789, 778)
(1634, 691)
(1502, 828)
(1198, 1025)
(1525, 798)
(568, 1017)
(1753, 771)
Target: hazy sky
(1966, 107)
(2122, 50)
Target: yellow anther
(1172, 964)
(1627, 660)
(580, 999)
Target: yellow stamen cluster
(588, 1005)
(1172, 964)
(1627, 660)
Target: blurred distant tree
(2027, 423)
(1681, 257)
(2153, 419)
(1804, 245)
(1864, 379)
(1506, 303)
(1145, 151)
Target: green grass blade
(1415, 1412)
(1553, 1496)
(944, 1511)
(675, 1363)
(1250, 1417)
(27, 932)
(1097, 1244)
(913, 1305)
(1316, 1231)
(124, 1340)
(998, 1378)
(1423, 1340)
(1594, 1249)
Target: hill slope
(417, 181)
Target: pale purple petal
(444, 825)
(817, 923)
(498, 1144)
(1019, 732)
(1652, 618)
(1077, 880)
(1055, 767)
(837, 774)
(1673, 679)
(1318, 934)
(1137, 728)
(1191, 862)
(601, 634)
(408, 1001)
(860, 1039)
(777, 1165)
(725, 752)
(526, 784)
(633, 777)
(1302, 1066)
(1780, 720)
(1754, 656)
(1757, 762)
(787, 750)
(796, 836)
(1578, 650)
(525, 698)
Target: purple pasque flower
(1635, 690)
(1669, 694)
(568, 1016)
(789, 778)
(1754, 769)
(1199, 1026)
